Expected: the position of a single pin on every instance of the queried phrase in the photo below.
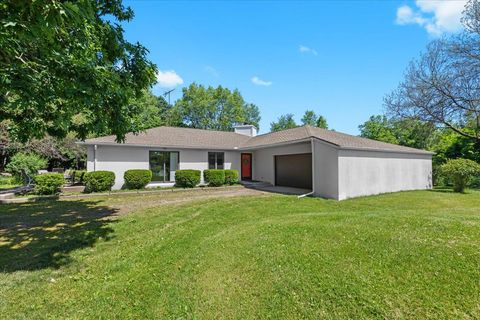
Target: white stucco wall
(362, 173)
(122, 158)
(264, 159)
(325, 168)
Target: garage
(294, 170)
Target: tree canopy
(312, 119)
(66, 67)
(285, 121)
(214, 108)
(442, 86)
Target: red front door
(246, 166)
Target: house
(329, 163)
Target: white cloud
(305, 49)
(259, 82)
(212, 71)
(168, 79)
(436, 16)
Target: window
(163, 165)
(215, 160)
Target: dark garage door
(294, 170)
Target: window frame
(164, 166)
(216, 166)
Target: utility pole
(167, 93)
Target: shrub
(460, 171)
(99, 181)
(231, 177)
(25, 163)
(77, 176)
(214, 177)
(187, 178)
(137, 178)
(48, 183)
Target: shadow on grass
(42, 234)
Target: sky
(338, 58)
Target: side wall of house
(325, 165)
(122, 158)
(264, 159)
(364, 173)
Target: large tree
(443, 85)
(154, 111)
(65, 66)
(312, 119)
(407, 132)
(285, 121)
(214, 108)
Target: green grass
(410, 255)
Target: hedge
(231, 177)
(49, 183)
(214, 177)
(187, 178)
(99, 181)
(137, 178)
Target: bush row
(214, 177)
(98, 181)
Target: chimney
(245, 129)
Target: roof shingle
(210, 139)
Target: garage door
(294, 170)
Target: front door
(246, 166)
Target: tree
(66, 67)
(442, 86)
(378, 128)
(214, 108)
(460, 171)
(285, 121)
(154, 111)
(310, 118)
(322, 122)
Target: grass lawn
(410, 255)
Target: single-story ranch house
(330, 164)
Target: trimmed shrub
(187, 178)
(99, 181)
(231, 177)
(137, 178)
(460, 171)
(77, 176)
(25, 163)
(214, 177)
(48, 183)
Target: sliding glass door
(163, 165)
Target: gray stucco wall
(121, 158)
(362, 173)
(325, 166)
(264, 159)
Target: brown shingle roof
(210, 139)
(180, 138)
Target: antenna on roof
(167, 93)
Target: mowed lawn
(409, 255)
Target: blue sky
(338, 58)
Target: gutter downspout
(313, 172)
(95, 158)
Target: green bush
(48, 183)
(214, 177)
(25, 163)
(460, 171)
(99, 181)
(187, 178)
(137, 178)
(77, 176)
(231, 177)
